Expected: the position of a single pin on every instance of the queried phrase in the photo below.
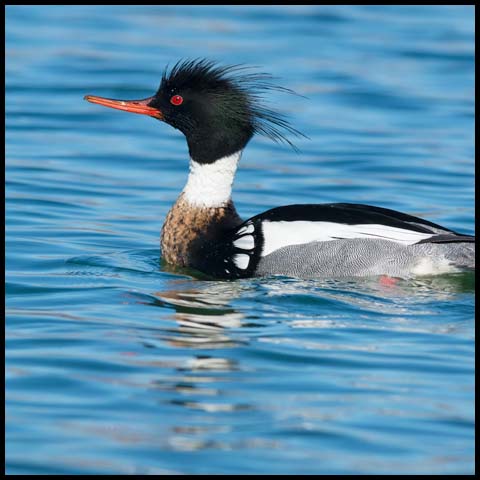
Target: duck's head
(217, 108)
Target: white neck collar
(210, 185)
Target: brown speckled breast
(188, 227)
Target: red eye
(176, 100)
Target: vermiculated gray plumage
(363, 257)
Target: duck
(219, 108)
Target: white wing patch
(282, 234)
(246, 229)
(247, 242)
(241, 260)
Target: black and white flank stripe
(339, 239)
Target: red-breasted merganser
(219, 109)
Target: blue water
(117, 364)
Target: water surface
(118, 364)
